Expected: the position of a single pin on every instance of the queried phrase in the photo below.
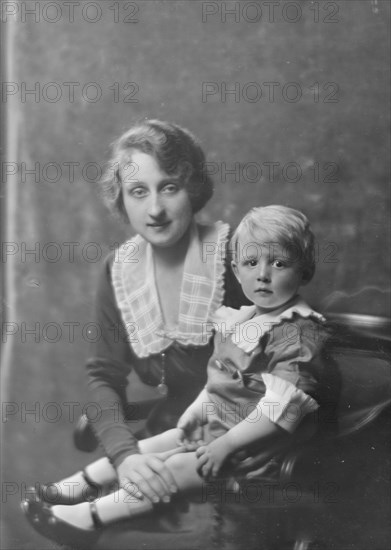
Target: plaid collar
(201, 294)
(246, 328)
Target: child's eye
(251, 263)
(279, 264)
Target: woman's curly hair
(177, 152)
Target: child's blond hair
(286, 226)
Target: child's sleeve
(285, 404)
(295, 370)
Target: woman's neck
(174, 255)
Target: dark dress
(112, 359)
(286, 364)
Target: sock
(114, 507)
(73, 488)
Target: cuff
(118, 458)
(284, 404)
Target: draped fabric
(56, 232)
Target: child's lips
(264, 291)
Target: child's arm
(212, 457)
(282, 408)
(191, 421)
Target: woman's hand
(146, 475)
(190, 431)
(212, 457)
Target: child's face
(269, 274)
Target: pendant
(162, 389)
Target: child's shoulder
(301, 312)
(232, 315)
(301, 324)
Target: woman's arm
(108, 368)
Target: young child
(264, 377)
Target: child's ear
(235, 270)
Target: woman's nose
(155, 207)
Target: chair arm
(357, 420)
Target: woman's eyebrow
(131, 182)
(169, 179)
(135, 181)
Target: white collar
(246, 328)
(201, 294)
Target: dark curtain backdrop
(336, 133)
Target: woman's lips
(159, 225)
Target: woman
(244, 376)
(155, 298)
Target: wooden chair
(319, 483)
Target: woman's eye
(137, 192)
(170, 188)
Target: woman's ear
(235, 270)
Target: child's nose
(264, 273)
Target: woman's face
(157, 205)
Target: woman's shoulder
(104, 276)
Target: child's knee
(179, 463)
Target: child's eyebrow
(248, 257)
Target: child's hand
(212, 457)
(190, 431)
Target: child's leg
(184, 469)
(122, 505)
(159, 443)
